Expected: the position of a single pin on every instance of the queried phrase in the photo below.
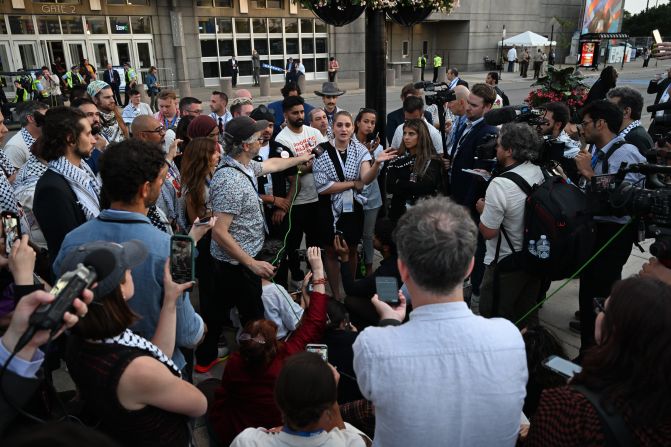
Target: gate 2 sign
(58, 9)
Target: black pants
(303, 220)
(234, 78)
(235, 285)
(435, 74)
(598, 278)
(479, 266)
(537, 69)
(126, 96)
(332, 75)
(117, 94)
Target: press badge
(348, 201)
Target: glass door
(55, 53)
(27, 55)
(76, 53)
(123, 53)
(101, 55)
(6, 65)
(144, 55)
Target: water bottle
(543, 247)
(532, 248)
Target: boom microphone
(501, 116)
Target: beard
(96, 128)
(81, 153)
(298, 123)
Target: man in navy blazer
(464, 187)
(111, 76)
(397, 117)
(659, 86)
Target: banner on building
(602, 16)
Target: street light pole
(503, 36)
(552, 35)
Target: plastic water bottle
(532, 248)
(543, 247)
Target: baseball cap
(110, 260)
(241, 128)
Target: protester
(409, 372)
(245, 398)
(92, 113)
(632, 341)
(607, 80)
(123, 379)
(319, 121)
(330, 93)
(340, 175)
(306, 393)
(52, 85)
(113, 128)
(415, 173)
(17, 149)
(630, 102)
(66, 195)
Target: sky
(635, 6)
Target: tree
(643, 23)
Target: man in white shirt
(218, 104)
(503, 207)
(17, 149)
(413, 108)
(447, 376)
(135, 108)
(300, 139)
(512, 58)
(319, 121)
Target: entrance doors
(101, 55)
(77, 54)
(123, 52)
(27, 55)
(144, 54)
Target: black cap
(109, 259)
(241, 128)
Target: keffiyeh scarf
(83, 182)
(129, 339)
(30, 173)
(7, 198)
(6, 165)
(629, 128)
(27, 137)
(110, 129)
(156, 219)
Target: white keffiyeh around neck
(629, 128)
(110, 129)
(6, 165)
(30, 173)
(83, 182)
(129, 339)
(8, 200)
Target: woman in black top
(607, 80)
(415, 173)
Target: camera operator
(507, 290)
(630, 102)
(556, 118)
(601, 123)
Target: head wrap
(95, 86)
(201, 126)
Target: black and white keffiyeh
(6, 165)
(8, 200)
(30, 173)
(156, 219)
(27, 137)
(325, 173)
(629, 128)
(110, 129)
(83, 182)
(131, 340)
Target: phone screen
(12, 229)
(181, 259)
(657, 36)
(322, 350)
(561, 366)
(387, 289)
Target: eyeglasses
(599, 304)
(248, 337)
(159, 129)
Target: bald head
(458, 106)
(143, 123)
(243, 93)
(461, 92)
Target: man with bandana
(112, 127)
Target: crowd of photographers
(435, 340)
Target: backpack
(560, 211)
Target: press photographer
(601, 123)
(555, 119)
(508, 290)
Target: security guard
(437, 63)
(421, 63)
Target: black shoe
(574, 325)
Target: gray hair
(26, 109)
(314, 111)
(235, 148)
(436, 240)
(522, 139)
(629, 97)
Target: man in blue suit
(464, 187)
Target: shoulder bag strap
(519, 181)
(334, 159)
(611, 151)
(616, 430)
(239, 170)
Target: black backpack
(560, 211)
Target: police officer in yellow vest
(39, 92)
(437, 63)
(21, 94)
(421, 63)
(72, 77)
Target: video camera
(437, 94)
(612, 196)
(521, 113)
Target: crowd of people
(455, 354)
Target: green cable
(589, 261)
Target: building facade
(192, 41)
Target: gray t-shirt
(232, 192)
(302, 143)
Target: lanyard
(172, 123)
(302, 434)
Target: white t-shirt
(504, 206)
(512, 54)
(259, 437)
(433, 133)
(302, 143)
(281, 309)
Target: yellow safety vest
(437, 61)
(421, 61)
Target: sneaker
(204, 369)
(574, 325)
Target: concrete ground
(558, 310)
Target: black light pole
(376, 73)
(552, 35)
(503, 35)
